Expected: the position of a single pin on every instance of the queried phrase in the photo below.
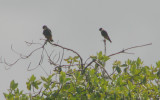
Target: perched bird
(105, 34)
(47, 33)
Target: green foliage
(15, 93)
(32, 82)
(102, 57)
(72, 60)
(131, 80)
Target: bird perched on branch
(105, 34)
(47, 33)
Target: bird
(105, 34)
(47, 33)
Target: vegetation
(91, 81)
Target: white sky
(75, 25)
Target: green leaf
(99, 54)
(93, 57)
(133, 69)
(119, 81)
(13, 85)
(38, 82)
(118, 69)
(124, 65)
(139, 62)
(53, 85)
(158, 64)
(62, 77)
(28, 85)
(67, 79)
(105, 58)
(145, 80)
(46, 86)
(128, 62)
(125, 69)
(33, 78)
(43, 78)
(5, 95)
(158, 73)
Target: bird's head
(44, 27)
(100, 29)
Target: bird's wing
(49, 31)
(106, 36)
(44, 32)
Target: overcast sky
(75, 24)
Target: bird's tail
(51, 39)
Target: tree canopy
(89, 80)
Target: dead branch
(49, 58)
(103, 69)
(87, 60)
(124, 50)
(31, 43)
(104, 46)
(71, 51)
(5, 62)
(89, 64)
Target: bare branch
(38, 92)
(32, 68)
(87, 60)
(89, 64)
(31, 43)
(103, 69)
(58, 58)
(16, 52)
(113, 72)
(104, 46)
(11, 63)
(42, 56)
(49, 58)
(138, 46)
(62, 57)
(71, 51)
(31, 53)
(66, 65)
(44, 70)
(124, 50)
(23, 56)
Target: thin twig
(124, 50)
(31, 43)
(87, 60)
(62, 57)
(58, 58)
(16, 51)
(11, 63)
(113, 72)
(42, 56)
(38, 92)
(44, 70)
(67, 65)
(51, 62)
(89, 64)
(71, 51)
(32, 68)
(105, 54)
(104, 46)
(103, 69)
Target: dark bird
(105, 34)
(47, 33)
